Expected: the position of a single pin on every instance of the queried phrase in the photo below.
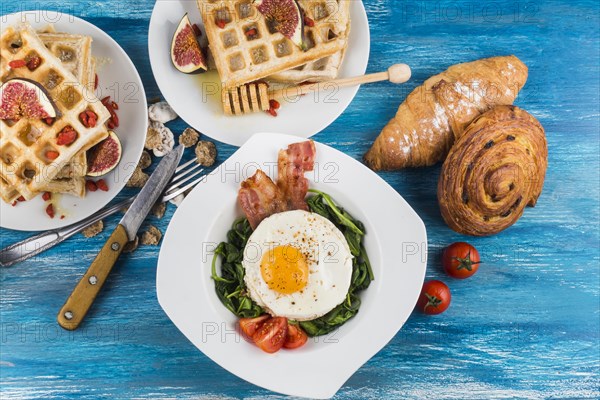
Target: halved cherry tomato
(271, 335)
(296, 337)
(460, 260)
(434, 298)
(250, 325)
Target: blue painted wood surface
(526, 326)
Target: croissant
(493, 171)
(437, 112)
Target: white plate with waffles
(197, 98)
(118, 78)
(395, 240)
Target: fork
(27, 248)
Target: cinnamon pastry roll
(493, 171)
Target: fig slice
(105, 156)
(24, 98)
(186, 53)
(286, 17)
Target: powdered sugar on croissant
(437, 112)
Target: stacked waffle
(246, 47)
(65, 71)
(325, 68)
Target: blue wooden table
(526, 326)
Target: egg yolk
(284, 269)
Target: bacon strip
(260, 197)
(292, 163)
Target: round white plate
(395, 240)
(197, 98)
(117, 78)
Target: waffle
(323, 69)
(23, 164)
(75, 53)
(73, 186)
(241, 59)
(69, 180)
(8, 192)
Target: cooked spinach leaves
(362, 274)
(230, 286)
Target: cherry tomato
(249, 325)
(434, 298)
(460, 260)
(271, 335)
(296, 337)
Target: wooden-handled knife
(82, 297)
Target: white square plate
(396, 243)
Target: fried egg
(298, 265)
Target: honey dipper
(254, 97)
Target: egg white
(326, 252)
